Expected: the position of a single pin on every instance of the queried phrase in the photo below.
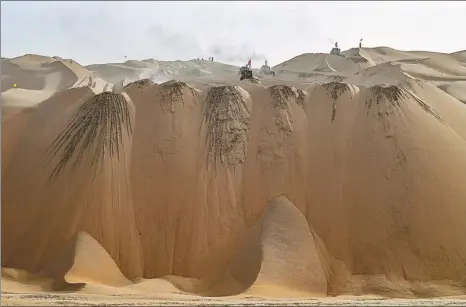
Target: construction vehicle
(265, 69)
(246, 72)
(335, 50)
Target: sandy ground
(340, 179)
(42, 299)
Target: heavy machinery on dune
(336, 51)
(266, 70)
(245, 72)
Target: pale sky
(100, 32)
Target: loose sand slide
(349, 187)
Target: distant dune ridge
(343, 177)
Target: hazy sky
(98, 32)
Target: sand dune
(350, 183)
(315, 62)
(455, 89)
(460, 56)
(30, 79)
(161, 71)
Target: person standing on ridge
(249, 63)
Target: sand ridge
(350, 183)
(31, 79)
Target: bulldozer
(336, 51)
(245, 72)
(265, 69)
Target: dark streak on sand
(395, 94)
(226, 105)
(172, 92)
(99, 122)
(281, 94)
(335, 89)
(141, 84)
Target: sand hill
(30, 79)
(341, 176)
(162, 71)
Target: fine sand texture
(339, 180)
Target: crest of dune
(350, 185)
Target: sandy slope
(40, 77)
(341, 176)
(161, 71)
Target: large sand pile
(93, 134)
(162, 71)
(353, 185)
(30, 79)
(317, 62)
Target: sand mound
(427, 72)
(386, 54)
(31, 79)
(161, 71)
(35, 72)
(345, 186)
(447, 66)
(320, 62)
(360, 56)
(270, 258)
(88, 145)
(93, 264)
(447, 107)
(290, 261)
(386, 124)
(455, 89)
(460, 56)
(386, 73)
(115, 73)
